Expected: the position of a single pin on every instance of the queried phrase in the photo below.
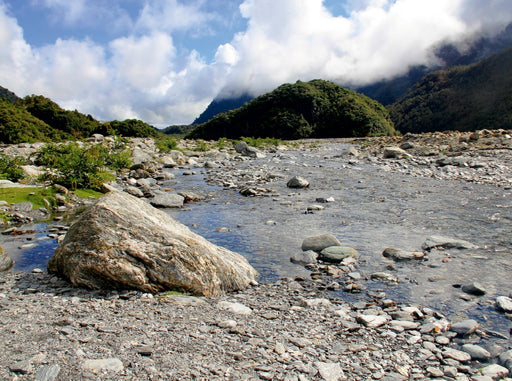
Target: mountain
(463, 98)
(218, 106)
(389, 91)
(9, 95)
(315, 109)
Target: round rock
(319, 242)
(297, 182)
(336, 254)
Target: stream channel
(373, 209)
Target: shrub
(10, 167)
(74, 166)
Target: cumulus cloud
(147, 73)
(377, 39)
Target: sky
(164, 61)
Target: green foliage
(316, 109)
(463, 98)
(75, 166)
(129, 127)
(202, 146)
(17, 125)
(72, 123)
(36, 195)
(166, 143)
(10, 167)
(262, 142)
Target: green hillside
(463, 98)
(316, 109)
(39, 119)
(17, 125)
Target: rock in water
(121, 242)
(437, 241)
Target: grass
(36, 195)
(87, 193)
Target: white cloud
(300, 39)
(171, 15)
(147, 74)
(143, 62)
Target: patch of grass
(87, 193)
(35, 195)
(202, 146)
(173, 293)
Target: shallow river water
(373, 209)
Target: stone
(167, 200)
(47, 373)
(236, 308)
(22, 367)
(384, 277)
(316, 302)
(134, 191)
(494, 371)
(190, 196)
(122, 242)
(476, 352)
(31, 171)
(506, 358)
(437, 241)
(372, 321)
(394, 153)
(304, 258)
(474, 288)
(504, 303)
(319, 242)
(109, 364)
(6, 262)
(330, 371)
(455, 354)
(337, 254)
(402, 255)
(244, 149)
(297, 182)
(464, 327)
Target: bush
(10, 167)
(74, 166)
(165, 143)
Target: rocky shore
(284, 331)
(293, 329)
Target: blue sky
(163, 61)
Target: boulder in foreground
(122, 242)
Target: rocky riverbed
(410, 312)
(288, 330)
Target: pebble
(464, 327)
(504, 303)
(108, 364)
(495, 370)
(476, 352)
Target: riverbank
(295, 329)
(288, 330)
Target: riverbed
(372, 209)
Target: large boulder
(122, 242)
